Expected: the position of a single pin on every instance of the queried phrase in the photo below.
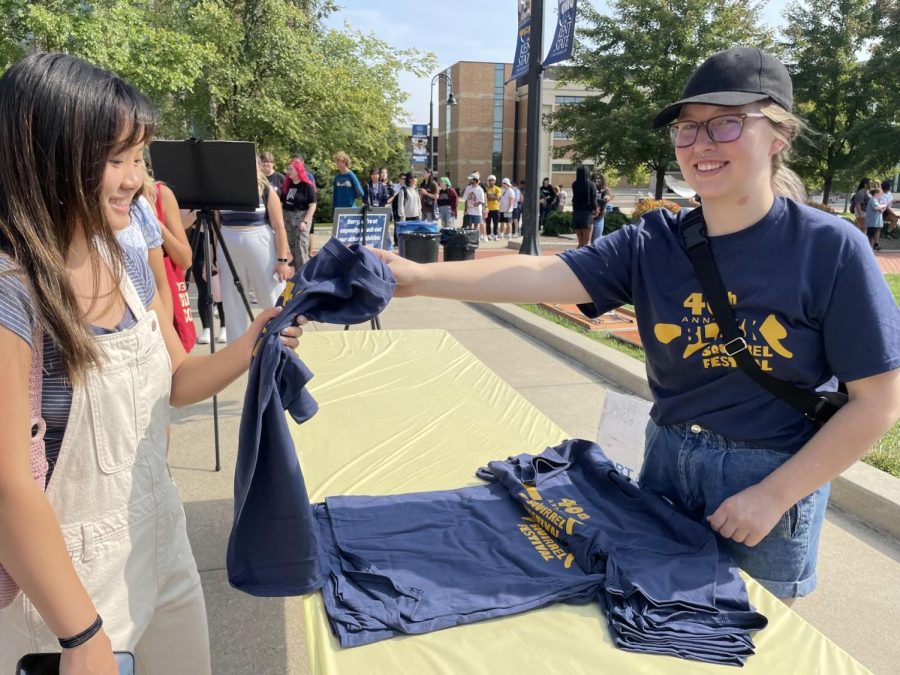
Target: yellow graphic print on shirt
(546, 522)
(493, 198)
(699, 332)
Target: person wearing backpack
(720, 447)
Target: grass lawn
(885, 455)
(894, 284)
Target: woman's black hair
(863, 183)
(582, 174)
(61, 119)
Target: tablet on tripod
(208, 176)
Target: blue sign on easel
(349, 229)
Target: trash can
(419, 240)
(459, 244)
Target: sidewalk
(859, 571)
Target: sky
(461, 30)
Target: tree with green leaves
(845, 101)
(638, 59)
(267, 71)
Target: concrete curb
(864, 492)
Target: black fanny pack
(816, 406)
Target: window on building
(497, 126)
(569, 168)
(565, 100)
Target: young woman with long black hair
(804, 286)
(88, 372)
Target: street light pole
(451, 100)
(531, 243)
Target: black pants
(493, 223)
(198, 271)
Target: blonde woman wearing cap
(803, 285)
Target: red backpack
(183, 318)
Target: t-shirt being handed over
(272, 549)
(805, 288)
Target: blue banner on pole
(523, 42)
(419, 142)
(564, 37)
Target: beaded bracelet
(83, 636)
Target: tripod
(206, 221)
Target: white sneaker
(203, 339)
(481, 237)
(223, 336)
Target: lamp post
(531, 243)
(451, 100)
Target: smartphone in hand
(48, 664)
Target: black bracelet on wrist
(282, 260)
(83, 636)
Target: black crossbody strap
(815, 406)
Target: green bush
(614, 220)
(557, 223)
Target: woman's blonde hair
(787, 127)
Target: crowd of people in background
(267, 246)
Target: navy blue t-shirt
(272, 550)
(805, 288)
(667, 588)
(415, 563)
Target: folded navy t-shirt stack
(667, 588)
(272, 550)
(416, 563)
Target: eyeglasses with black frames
(721, 129)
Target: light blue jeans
(697, 470)
(447, 217)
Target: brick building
(486, 130)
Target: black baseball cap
(734, 77)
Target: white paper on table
(621, 431)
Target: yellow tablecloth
(406, 411)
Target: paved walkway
(859, 571)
